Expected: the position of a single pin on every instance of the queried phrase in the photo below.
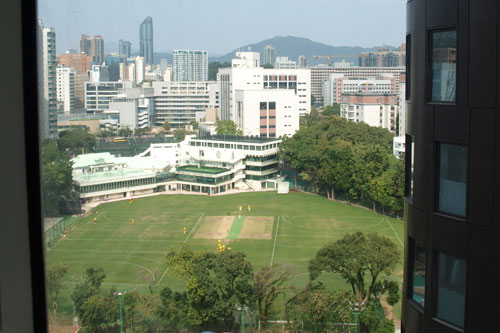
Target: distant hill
(292, 47)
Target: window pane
(408, 66)
(444, 65)
(451, 289)
(410, 156)
(452, 179)
(418, 268)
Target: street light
(121, 316)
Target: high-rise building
(302, 61)
(113, 63)
(80, 62)
(48, 85)
(269, 55)
(190, 65)
(284, 63)
(383, 58)
(452, 225)
(85, 45)
(374, 109)
(66, 87)
(98, 49)
(146, 40)
(124, 49)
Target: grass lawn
(132, 255)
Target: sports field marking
(110, 251)
(184, 242)
(121, 239)
(113, 284)
(275, 238)
(113, 262)
(215, 227)
(399, 239)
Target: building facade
(97, 50)
(284, 63)
(452, 226)
(383, 58)
(321, 73)
(180, 102)
(146, 40)
(66, 87)
(378, 110)
(302, 61)
(124, 49)
(190, 65)
(46, 58)
(80, 62)
(269, 55)
(99, 94)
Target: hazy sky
(220, 26)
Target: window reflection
(444, 66)
(452, 178)
(418, 268)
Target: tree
(173, 309)
(57, 180)
(76, 141)
(268, 283)
(139, 131)
(180, 134)
(331, 110)
(53, 277)
(388, 188)
(213, 69)
(359, 259)
(166, 126)
(194, 123)
(215, 284)
(106, 133)
(87, 286)
(100, 312)
(227, 127)
(125, 131)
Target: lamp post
(121, 316)
(356, 310)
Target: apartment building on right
(452, 216)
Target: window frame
(411, 263)
(428, 72)
(409, 192)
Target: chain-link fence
(56, 228)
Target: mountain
(292, 47)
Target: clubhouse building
(210, 165)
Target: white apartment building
(284, 63)
(99, 73)
(99, 94)
(374, 110)
(267, 113)
(179, 102)
(261, 79)
(321, 73)
(65, 79)
(190, 65)
(338, 84)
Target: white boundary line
(190, 232)
(275, 238)
(399, 239)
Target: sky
(220, 26)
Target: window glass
(451, 289)
(452, 179)
(443, 65)
(408, 66)
(417, 269)
(410, 162)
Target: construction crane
(336, 56)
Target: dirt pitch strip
(214, 227)
(257, 227)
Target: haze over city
(221, 26)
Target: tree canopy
(227, 127)
(332, 110)
(213, 69)
(76, 141)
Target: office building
(180, 102)
(302, 61)
(269, 55)
(113, 63)
(97, 50)
(99, 94)
(99, 73)
(190, 65)
(85, 45)
(46, 58)
(321, 73)
(378, 110)
(146, 40)
(124, 49)
(452, 225)
(383, 58)
(240, 77)
(66, 87)
(284, 63)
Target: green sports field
(278, 229)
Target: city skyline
(309, 22)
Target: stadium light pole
(121, 316)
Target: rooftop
(233, 138)
(204, 169)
